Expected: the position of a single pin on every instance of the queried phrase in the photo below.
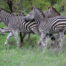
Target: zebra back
(53, 25)
(51, 12)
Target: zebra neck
(5, 20)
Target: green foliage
(26, 5)
(41, 4)
(3, 4)
(29, 55)
(58, 7)
(52, 2)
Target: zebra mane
(40, 11)
(54, 10)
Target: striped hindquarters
(59, 24)
(29, 26)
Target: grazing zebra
(17, 24)
(49, 26)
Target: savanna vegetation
(31, 54)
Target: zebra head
(4, 15)
(52, 12)
(38, 15)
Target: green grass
(28, 55)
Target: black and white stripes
(49, 25)
(38, 23)
(59, 23)
(18, 24)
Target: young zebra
(50, 26)
(17, 24)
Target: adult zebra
(50, 26)
(6, 15)
(17, 24)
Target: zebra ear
(38, 14)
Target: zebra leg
(22, 39)
(28, 36)
(55, 40)
(15, 33)
(58, 42)
(44, 40)
(61, 38)
(8, 37)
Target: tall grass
(30, 54)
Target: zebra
(51, 12)
(17, 24)
(9, 17)
(49, 26)
(30, 17)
